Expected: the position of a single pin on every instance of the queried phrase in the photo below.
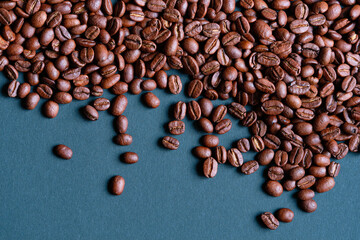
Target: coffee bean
(235, 157)
(250, 167)
(170, 143)
(202, 152)
(223, 126)
(265, 157)
(324, 184)
(195, 89)
(257, 143)
(101, 104)
(193, 110)
(273, 188)
(31, 101)
(210, 141)
(174, 84)
(176, 127)
(308, 205)
(285, 215)
(180, 110)
(123, 139)
(50, 109)
(305, 194)
(118, 105)
(117, 184)
(333, 169)
(296, 173)
(275, 173)
(91, 113)
(13, 88)
(151, 100)
(63, 151)
(243, 145)
(306, 182)
(129, 157)
(269, 220)
(220, 154)
(210, 167)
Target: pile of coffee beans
(290, 68)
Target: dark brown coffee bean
(174, 84)
(170, 143)
(91, 113)
(306, 182)
(250, 167)
(180, 110)
(117, 184)
(280, 158)
(273, 188)
(63, 151)
(257, 143)
(195, 88)
(237, 110)
(202, 152)
(333, 169)
(102, 104)
(272, 107)
(275, 173)
(151, 100)
(218, 113)
(265, 157)
(243, 145)
(269, 220)
(220, 154)
(210, 141)
(31, 101)
(210, 167)
(50, 109)
(176, 127)
(223, 126)
(305, 194)
(193, 110)
(285, 215)
(129, 157)
(235, 157)
(308, 205)
(13, 88)
(289, 185)
(324, 184)
(123, 139)
(118, 105)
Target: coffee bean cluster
(291, 69)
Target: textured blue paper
(165, 197)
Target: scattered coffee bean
(285, 215)
(129, 157)
(170, 143)
(117, 184)
(269, 220)
(63, 151)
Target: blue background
(165, 196)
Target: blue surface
(165, 196)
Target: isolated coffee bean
(250, 167)
(117, 184)
(63, 151)
(170, 143)
(129, 157)
(220, 154)
(176, 127)
(235, 157)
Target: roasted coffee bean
(305, 194)
(218, 113)
(324, 184)
(174, 84)
(243, 145)
(306, 182)
(220, 154)
(63, 151)
(308, 205)
(180, 110)
(273, 188)
(91, 113)
(275, 173)
(210, 167)
(50, 109)
(123, 139)
(129, 157)
(210, 141)
(195, 88)
(176, 127)
(118, 105)
(101, 104)
(223, 126)
(170, 143)
(151, 100)
(121, 124)
(269, 220)
(235, 157)
(13, 88)
(265, 157)
(116, 185)
(285, 215)
(237, 110)
(202, 152)
(250, 167)
(193, 110)
(257, 143)
(31, 101)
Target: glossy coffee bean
(116, 185)
(63, 151)
(285, 215)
